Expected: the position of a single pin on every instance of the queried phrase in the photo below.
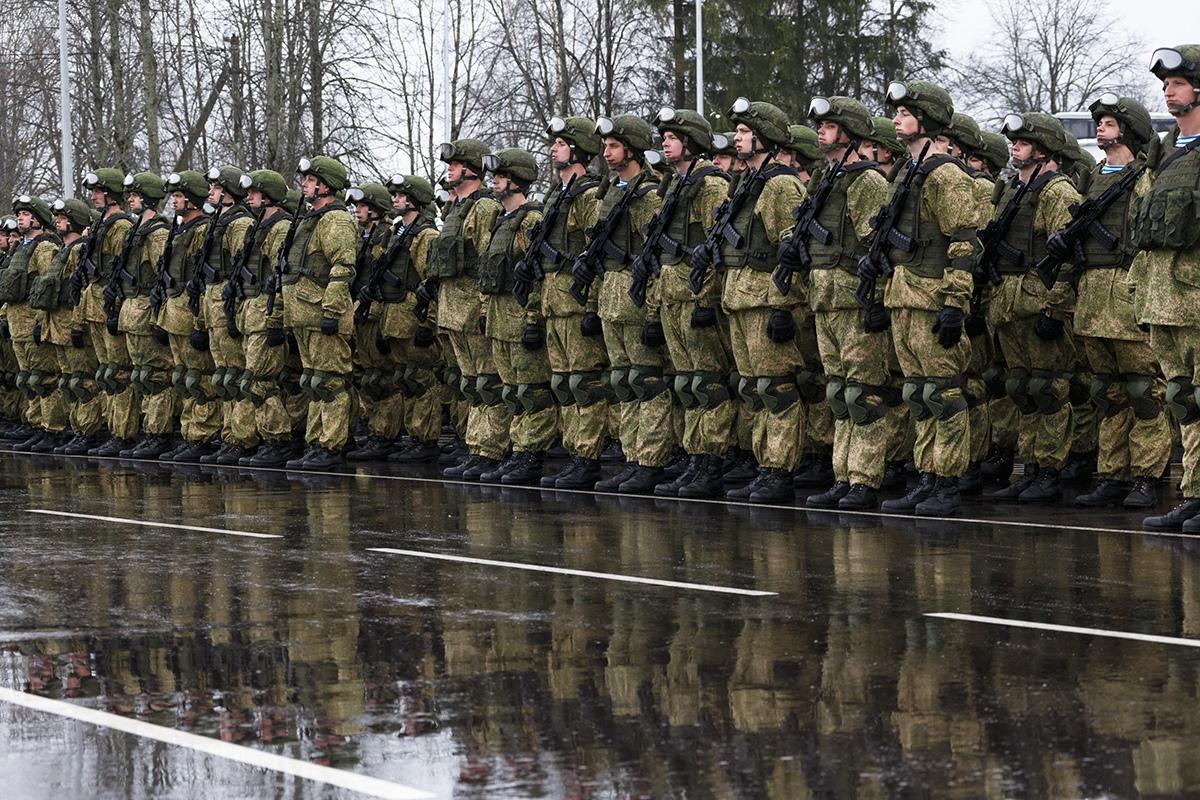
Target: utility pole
(64, 105)
(447, 86)
(700, 57)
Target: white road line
(215, 747)
(582, 573)
(1045, 626)
(152, 524)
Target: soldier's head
(656, 162)
(685, 134)
(33, 214)
(1036, 138)
(724, 153)
(921, 109)
(1179, 70)
(573, 140)
(188, 191)
(464, 161)
(371, 202)
(322, 178)
(144, 191)
(5, 223)
(1121, 121)
(625, 137)
(840, 121)
(513, 171)
(265, 188)
(965, 137)
(804, 153)
(410, 193)
(107, 187)
(72, 216)
(759, 128)
(225, 185)
(994, 156)
(9, 233)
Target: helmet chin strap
(1180, 111)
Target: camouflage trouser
(982, 355)
(40, 367)
(767, 386)
(122, 405)
(1039, 382)
(526, 378)
(326, 379)
(12, 403)
(199, 413)
(646, 430)
(901, 431)
(1135, 437)
(578, 364)
(700, 361)
(858, 393)
(238, 425)
(264, 365)
(943, 442)
(1085, 429)
(489, 419)
(1177, 349)
(151, 372)
(84, 404)
(380, 398)
(818, 419)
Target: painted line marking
(363, 784)
(1046, 626)
(150, 524)
(582, 573)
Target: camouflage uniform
(380, 400)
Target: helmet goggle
(491, 163)
(91, 180)
(654, 158)
(819, 107)
(897, 91)
(1168, 59)
(214, 175)
(1013, 123)
(665, 114)
(246, 182)
(557, 125)
(174, 180)
(24, 199)
(355, 195)
(740, 106)
(721, 142)
(59, 206)
(128, 181)
(396, 183)
(446, 151)
(605, 126)
(303, 167)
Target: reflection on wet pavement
(472, 681)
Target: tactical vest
(316, 265)
(1167, 215)
(137, 260)
(626, 239)
(254, 267)
(842, 247)
(50, 291)
(929, 256)
(102, 260)
(218, 260)
(1116, 220)
(568, 243)
(495, 268)
(757, 252)
(1022, 246)
(181, 267)
(400, 275)
(452, 254)
(14, 279)
(682, 235)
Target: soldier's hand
(976, 325)
(781, 326)
(1049, 329)
(482, 325)
(228, 292)
(652, 334)
(111, 325)
(877, 318)
(275, 337)
(865, 269)
(427, 292)
(157, 295)
(231, 327)
(329, 326)
(37, 332)
(111, 295)
(159, 335)
(194, 290)
(424, 337)
(949, 326)
(703, 317)
(383, 345)
(790, 254)
(581, 272)
(270, 285)
(1058, 248)
(533, 337)
(77, 339)
(198, 340)
(523, 272)
(590, 324)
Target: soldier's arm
(713, 191)
(195, 245)
(1053, 212)
(863, 200)
(641, 213)
(520, 245)
(156, 243)
(950, 200)
(114, 240)
(775, 205)
(419, 250)
(39, 262)
(477, 227)
(584, 212)
(339, 241)
(235, 235)
(271, 246)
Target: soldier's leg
(421, 385)
(1149, 437)
(490, 421)
(78, 366)
(1049, 384)
(263, 387)
(535, 424)
(653, 404)
(829, 344)
(867, 397)
(1108, 394)
(200, 415)
(778, 426)
(329, 357)
(124, 416)
(616, 335)
(816, 467)
(711, 429)
(1177, 350)
(982, 356)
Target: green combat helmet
(767, 121)
(633, 132)
(374, 196)
(514, 163)
(723, 144)
(885, 136)
(36, 206)
(687, 125)
(995, 151)
(414, 187)
(1043, 130)
(1132, 118)
(78, 213)
(1182, 62)
(191, 183)
(328, 170)
(851, 115)
(108, 179)
(229, 178)
(804, 147)
(1076, 163)
(929, 103)
(964, 132)
(465, 151)
(148, 184)
(268, 182)
(292, 202)
(579, 133)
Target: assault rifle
(530, 268)
(274, 284)
(807, 225)
(647, 263)
(992, 238)
(590, 263)
(373, 288)
(722, 229)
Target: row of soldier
(789, 305)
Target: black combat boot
(375, 448)
(998, 467)
(894, 477)
(112, 448)
(744, 492)
(1046, 487)
(672, 488)
(644, 480)
(619, 477)
(1014, 489)
(482, 467)
(830, 497)
(740, 467)
(972, 480)
(1175, 519)
(299, 461)
(501, 469)
(1080, 468)
(584, 477)
(819, 472)
(465, 463)
(917, 495)
(944, 502)
(31, 441)
(1144, 494)
(415, 453)
(528, 470)
(774, 486)
(549, 481)
(860, 498)
(1108, 493)
(323, 458)
(707, 483)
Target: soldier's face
(215, 193)
(743, 139)
(975, 162)
(500, 183)
(399, 202)
(62, 225)
(454, 171)
(672, 146)
(905, 123)
(614, 152)
(1178, 93)
(254, 199)
(99, 199)
(308, 185)
(362, 214)
(25, 221)
(723, 162)
(867, 150)
(829, 136)
(136, 204)
(1108, 130)
(178, 201)
(560, 150)
(1022, 151)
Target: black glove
(781, 327)
(329, 326)
(652, 334)
(4, 332)
(275, 337)
(1058, 248)
(111, 294)
(383, 345)
(581, 272)
(482, 324)
(703, 317)
(157, 296)
(156, 333)
(523, 272)
(702, 259)
(865, 270)
(976, 325)
(227, 292)
(37, 333)
(424, 337)
(232, 328)
(790, 254)
(270, 285)
(877, 318)
(77, 339)
(195, 290)
(590, 325)
(199, 340)
(364, 295)
(949, 326)
(293, 345)
(533, 337)
(1048, 329)
(427, 292)
(110, 324)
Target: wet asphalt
(472, 679)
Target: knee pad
(233, 382)
(586, 388)
(682, 386)
(777, 393)
(177, 376)
(413, 381)
(325, 385)
(560, 387)
(835, 395)
(452, 378)
(1098, 392)
(1140, 389)
(467, 389)
(136, 379)
(1041, 388)
(218, 382)
(508, 396)
(860, 410)
(943, 397)
(23, 383)
(247, 389)
(620, 383)
(710, 389)
(1182, 400)
(646, 382)
(369, 383)
(98, 377)
(37, 381)
(77, 386)
(63, 384)
(993, 381)
(154, 380)
(811, 385)
(1016, 386)
(913, 395)
(534, 397)
(192, 383)
(747, 390)
(306, 383)
(488, 390)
